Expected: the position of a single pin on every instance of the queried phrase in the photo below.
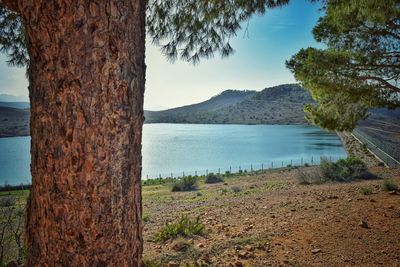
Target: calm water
(178, 148)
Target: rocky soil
(270, 220)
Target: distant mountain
(281, 104)
(14, 122)
(20, 105)
(180, 114)
(12, 98)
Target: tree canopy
(360, 67)
(189, 30)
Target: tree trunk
(86, 85)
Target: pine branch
(12, 5)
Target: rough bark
(86, 85)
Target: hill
(20, 105)
(281, 104)
(14, 121)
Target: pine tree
(86, 83)
(359, 69)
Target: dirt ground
(275, 221)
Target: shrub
(224, 190)
(214, 178)
(8, 201)
(183, 227)
(307, 176)
(367, 190)
(146, 218)
(236, 189)
(389, 185)
(187, 183)
(342, 170)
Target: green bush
(146, 218)
(214, 178)
(389, 185)
(342, 170)
(236, 189)
(187, 183)
(367, 190)
(183, 227)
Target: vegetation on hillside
(281, 104)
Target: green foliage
(367, 190)
(12, 38)
(389, 185)
(188, 30)
(212, 178)
(183, 227)
(187, 183)
(146, 217)
(342, 170)
(196, 29)
(360, 68)
(159, 181)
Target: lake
(198, 148)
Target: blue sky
(258, 61)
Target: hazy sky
(258, 61)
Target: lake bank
(197, 149)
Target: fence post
(251, 167)
(172, 175)
(207, 172)
(312, 160)
(291, 163)
(262, 167)
(183, 174)
(219, 170)
(301, 161)
(272, 165)
(195, 173)
(147, 176)
(230, 169)
(160, 175)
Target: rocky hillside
(281, 104)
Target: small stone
(243, 254)
(393, 193)
(238, 247)
(200, 245)
(293, 210)
(173, 264)
(363, 224)
(315, 251)
(238, 264)
(372, 200)
(248, 248)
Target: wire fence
(276, 164)
(389, 155)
